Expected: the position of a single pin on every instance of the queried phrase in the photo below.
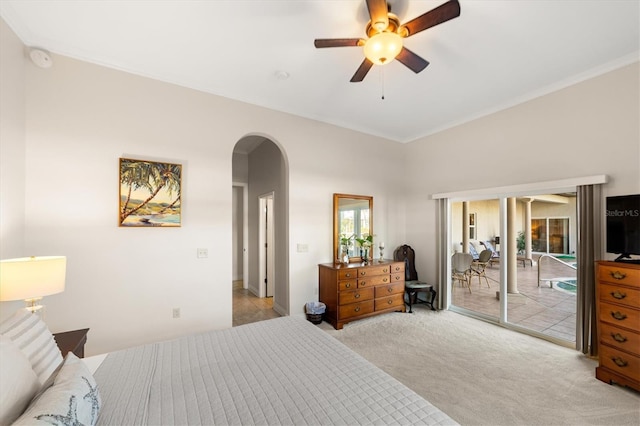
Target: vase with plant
(345, 242)
(365, 246)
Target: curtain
(589, 215)
(442, 252)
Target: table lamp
(31, 278)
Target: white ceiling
(495, 55)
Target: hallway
(248, 308)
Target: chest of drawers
(357, 291)
(618, 312)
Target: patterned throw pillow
(34, 339)
(72, 399)
(18, 382)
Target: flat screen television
(623, 226)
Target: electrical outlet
(303, 248)
(203, 253)
(176, 312)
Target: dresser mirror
(352, 216)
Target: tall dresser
(355, 291)
(618, 310)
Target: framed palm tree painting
(150, 193)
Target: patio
(545, 309)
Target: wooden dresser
(618, 311)
(355, 291)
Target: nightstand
(72, 341)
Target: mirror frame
(336, 227)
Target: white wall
(123, 282)
(590, 128)
(12, 151)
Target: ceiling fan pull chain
(382, 81)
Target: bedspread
(284, 371)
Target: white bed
(284, 371)
(281, 371)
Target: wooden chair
(412, 286)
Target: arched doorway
(260, 172)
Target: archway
(259, 167)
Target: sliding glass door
(530, 282)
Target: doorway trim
(266, 247)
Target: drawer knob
(357, 309)
(347, 285)
(362, 283)
(619, 361)
(617, 275)
(389, 302)
(618, 315)
(384, 280)
(357, 296)
(363, 273)
(618, 295)
(618, 337)
(384, 270)
(348, 275)
(389, 289)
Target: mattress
(283, 371)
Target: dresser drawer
(389, 302)
(620, 316)
(620, 339)
(374, 280)
(397, 267)
(617, 275)
(620, 362)
(387, 290)
(347, 274)
(345, 297)
(347, 285)
(623, 295)
(355, 309)
(397, 276)
(373, 270)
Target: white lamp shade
(32, 277)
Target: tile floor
(545, 309)
(249, 308)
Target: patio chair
(460, 269)
(495, 255)
(478, 266)
(412, 286)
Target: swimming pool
(566, 284)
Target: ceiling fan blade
(362, 71)
(412, 61)
(440, 14)
(378, 12)
(338, 42)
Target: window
(472, 226)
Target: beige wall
(590, 128)
(77, 119)
(123, 283)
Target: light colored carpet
(483, 374)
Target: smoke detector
(40, 57)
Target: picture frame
(150, 194)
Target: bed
(284, 371)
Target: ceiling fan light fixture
(383, 47)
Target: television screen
(623, 225)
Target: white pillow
(72, 399)
(18, 382)
(34, 339)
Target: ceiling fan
(386, 33)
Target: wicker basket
(315, 318)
